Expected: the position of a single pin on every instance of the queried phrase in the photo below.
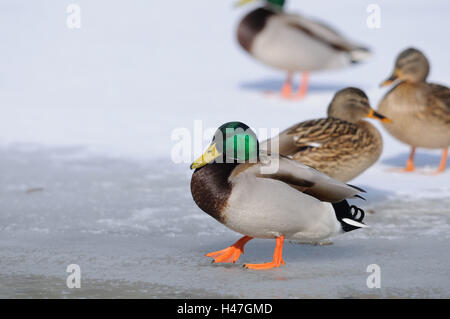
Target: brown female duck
(420, 111)
(342, 145)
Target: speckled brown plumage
(342, 145)
(346, 149)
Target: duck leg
(410, 162)
(443, 162)
(230, 254)
(277, 257)
(303, 87)
(286, 89)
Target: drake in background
(294, 43)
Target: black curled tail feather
(356, 211)
(345, 212)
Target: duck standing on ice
(295, 202)
(420, 111)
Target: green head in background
(233, 142)
(276, 3)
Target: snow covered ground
(86, 177)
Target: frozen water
(137, 233)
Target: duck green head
(233, 142)
(274, 3)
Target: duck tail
(360, 54)
(350, 217)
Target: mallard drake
(342, 145)
(263, 196)
(294, 43)
(420, 111)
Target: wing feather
(320, 32)
(303, 178)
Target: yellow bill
(241, 3)
(210, 155)
(375, 115)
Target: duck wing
(325, 34)
(321, 131)
(313, 135)
(299, 176)
(438, 103)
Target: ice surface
(137, 233)
(85, 139)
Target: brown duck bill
(389, 81)
(375, 115)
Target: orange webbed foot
(263, 266)
(409, 166)
(227, 255)
(407, 169)
(230, 254)
(438, 172)
(277, 258)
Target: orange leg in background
(230, 254)
(277, 257)
(303, 87)
(443, 162)
(286, 89)
(410, 162)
